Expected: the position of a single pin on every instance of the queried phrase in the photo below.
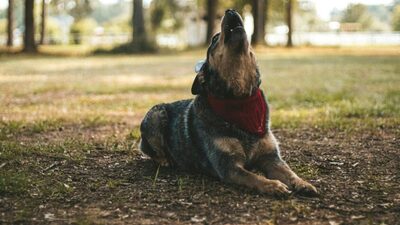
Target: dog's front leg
(227, 158)
(271, 164)
(278, 169)
(239, 175)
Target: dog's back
(170, 137)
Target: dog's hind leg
(153, 130)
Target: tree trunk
(289, 21)
(139, 32)
(29, 33)
(212, 6)
(10, 23)
(259, 14)
(43, 22)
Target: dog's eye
(214, 41)
(215, 38)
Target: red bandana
(249, 114)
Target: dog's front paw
(304, 188)
(275, 187)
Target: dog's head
(230, 69)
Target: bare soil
(356, 173)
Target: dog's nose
(230, 11)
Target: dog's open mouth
(232, 26)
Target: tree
(140, 41)
(78, 9)
(139, 31)
(43, 22)
(259, 8)
(212, 6)
(167, 10)
(289, 22)
(358, 13)
(396, 18)
(10, 23)
(29, 33)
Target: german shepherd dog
(224, 131)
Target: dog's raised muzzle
(233, 31)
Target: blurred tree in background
(43, 19)
(140, 41)
(167, 15)
(259, 10)
(289, 22)
(81, 28)
(396, 18)
(139, 34)
(10, 23)
(358, 13)
(80, 10)
(88, 21)
(212, 7)
(115, 18)
(29, 32)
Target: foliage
(146, 46)
(105, 13)
(3, 13)
(18, 13)
(380, 12)
(396, 18)
(167, 15)
(53, 31)
(276, 9)
(358, 13)
(308, 19)
(3, 26)
(117, 25)
(78, 9)
(82, 27)
(238, 5)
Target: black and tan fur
(189, 135)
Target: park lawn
(69, 127)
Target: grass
(65, 107)
(323, 89)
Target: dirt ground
(357, 175)
(69, 135)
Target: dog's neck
(229, 87)
(238, 73)
(249, 114)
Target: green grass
(329, 88)
(52, 106)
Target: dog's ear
(198, 83)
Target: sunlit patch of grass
(112, 183)
(135, 133)
(29, 183)
(13, 183)
(68, 148)
(15, 128)
(324, 87)
(305, 170)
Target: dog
(224, 131)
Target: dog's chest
(264, 146)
